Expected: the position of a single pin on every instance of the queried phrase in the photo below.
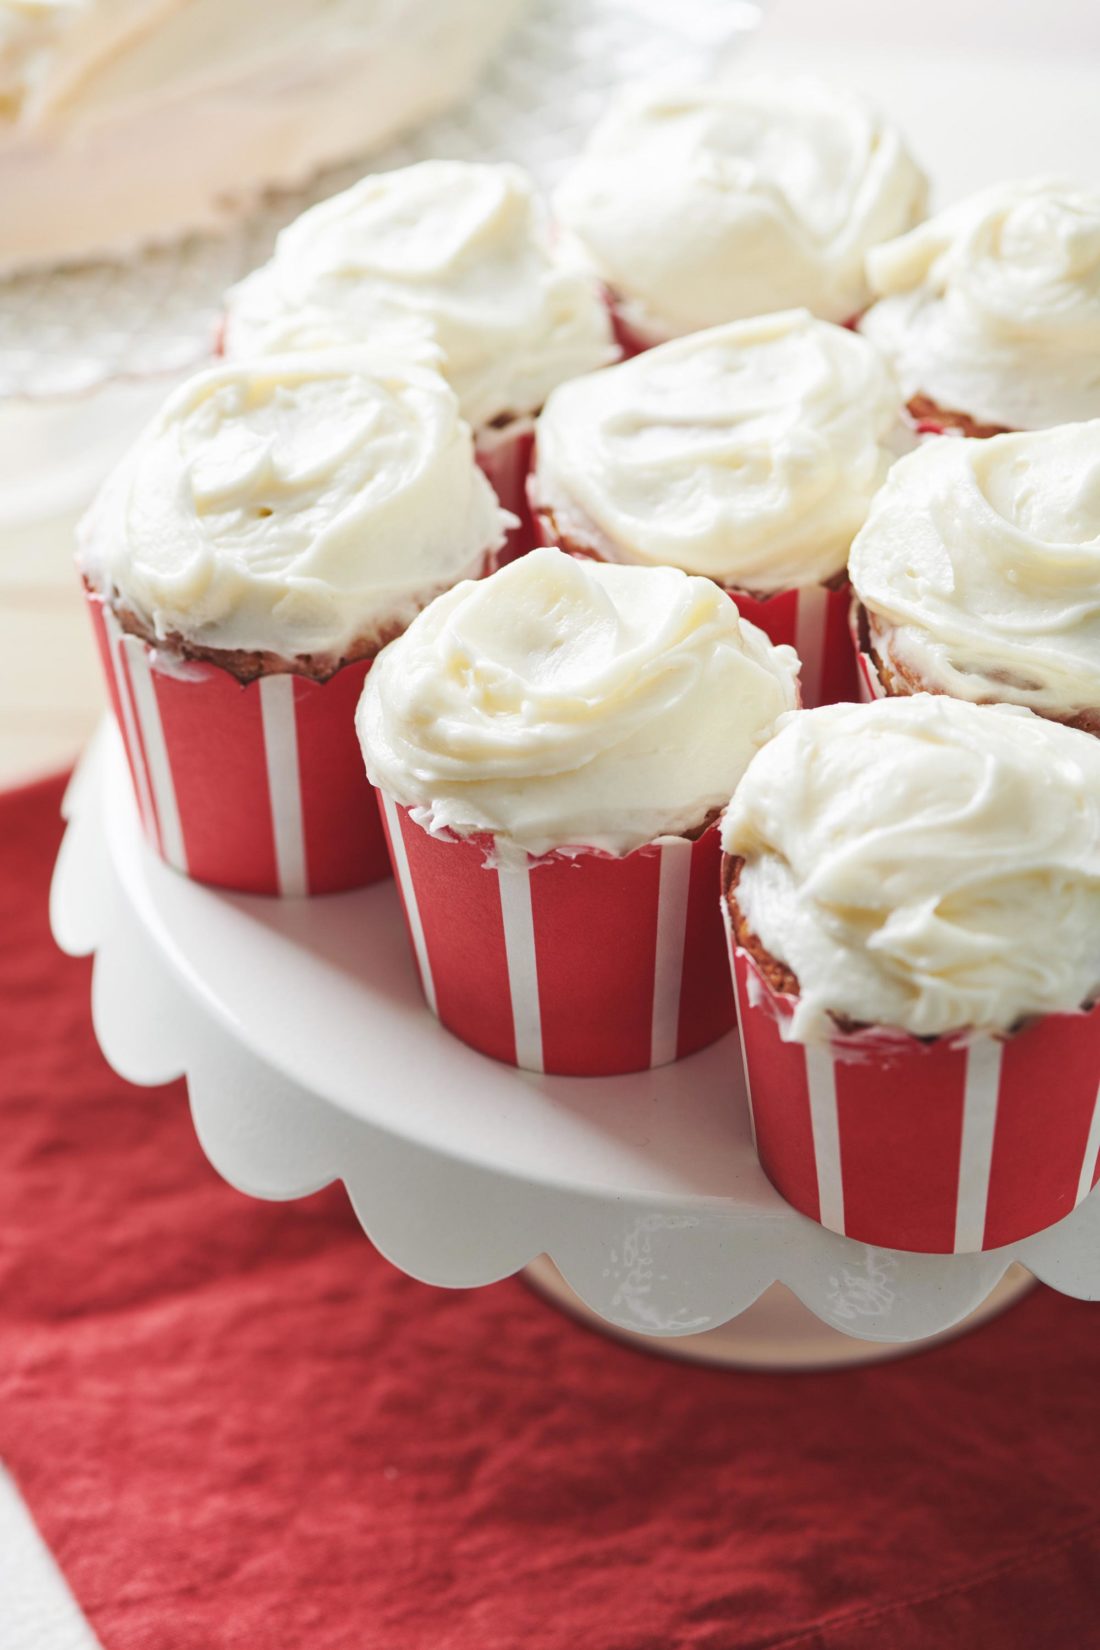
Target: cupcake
(448, 253)
(912, 891)
(977, 574)
(552, 747)
(275, 525)
(748, 454)
(735, 197)
(990, 312)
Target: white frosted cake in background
(125, 122)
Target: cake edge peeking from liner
(989, 312)
(975, 574)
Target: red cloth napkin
(237, 1426)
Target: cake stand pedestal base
(776, 1332)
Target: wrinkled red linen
(237, 1426)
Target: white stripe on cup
(809, 638)
(825, 1128)
(742, 996)
(870, 688)
(284, 781)
(673, 884)
(983, 1082)
(514, 884)
(1092, 1150)
(408, 893)
(129, 728)
(156, 753)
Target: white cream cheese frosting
(293, 505)
(735, 197)
(748, 453)
(979, 566)
(449, 251)
(29, 37)
(924, 864)
(571, 704)
(992, 308)
(124, 122)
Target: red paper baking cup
(258, 788)
(814, 620)
(584, 966)
(505, 457)
(945, 1147)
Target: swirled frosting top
(992, 308)
(749, 453)
(293, 505)
(571, 704)
(735, 197)
(445, 251)
(924, 864)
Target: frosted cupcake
(452, 254)
(275, 525)
(977, 574)
(913, 898)
(552, 747)
(990, 312)
(736, 197)
(748, 454)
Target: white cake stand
(310, 1058)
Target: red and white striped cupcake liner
(504, 456)
(582, 965)
(258, 788)
(945, 1147)
(814, 621)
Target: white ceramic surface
(310, 1057)
(776, 1333)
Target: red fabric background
(237, 1426)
